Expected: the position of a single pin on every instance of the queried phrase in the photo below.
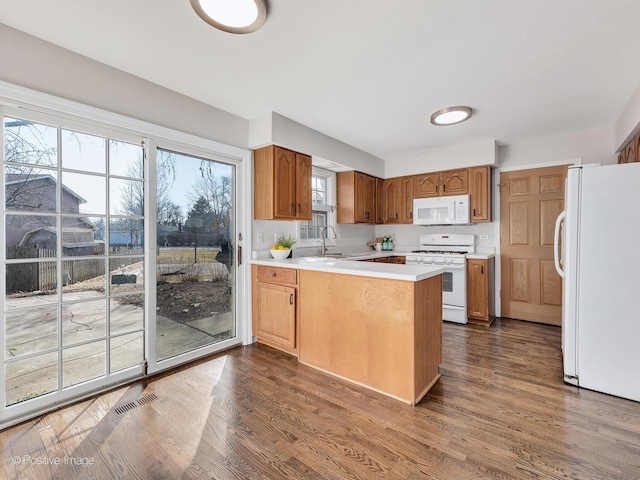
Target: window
(74, 235)
(323, 199)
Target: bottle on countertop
(387, 243)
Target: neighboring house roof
(72, 237)
(16, 178)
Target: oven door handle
(449, 267)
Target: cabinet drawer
(279, 275)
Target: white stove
(450, 251)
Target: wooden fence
(43, 275)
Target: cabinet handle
(396, 215)
(291, 299)
(482, 269)
(293, 208)
(411, 215)
(444, 188)
(299, 208)
(474, 212)
(273, 274)
(436, 188)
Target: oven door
(454, 294)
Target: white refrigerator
(597, 252)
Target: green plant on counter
(286, 242)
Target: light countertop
(351, 266)
(480, 256)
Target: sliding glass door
(73, 223)
(118, 256)
(195, 271)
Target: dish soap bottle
(390, 243)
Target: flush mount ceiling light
(233, 16)
(451, 115)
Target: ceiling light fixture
(233, 16)
(451, 115)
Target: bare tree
(217, 190)
(27, 187)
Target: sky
(85, 152)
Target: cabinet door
(370, 198)
(303, 187)
(365, 198)
(277, 314)
(480, 194)
(630, 152)
(455, 182)
(284, 190)
(477, 289)
(426, 185)
(406, 202)
(379, 203)
(392, 199)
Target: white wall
(33, 63)
(351, 238)
(629, 122)
(275, 129)
(591, 146)
(459, 156)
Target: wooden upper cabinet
(451, 182)
(426, 185)
(356, 197)
(379, 208)
(406, 202)
(282, 184)
(398, 200)
(480, 194)
(365, 198)
(392, 199)
(455, 182)
(303, 187)
(630, 152)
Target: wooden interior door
(530, 202)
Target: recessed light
(451, 115)
(233, 16)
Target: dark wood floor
(500, 410)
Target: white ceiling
(370, 72)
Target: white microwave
(453, 210)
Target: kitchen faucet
(323, 246)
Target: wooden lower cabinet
(480, 291)
(381, 333)
(275, 304)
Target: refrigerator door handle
(556, 243)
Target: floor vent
(131, 405)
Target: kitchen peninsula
(375, 324)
